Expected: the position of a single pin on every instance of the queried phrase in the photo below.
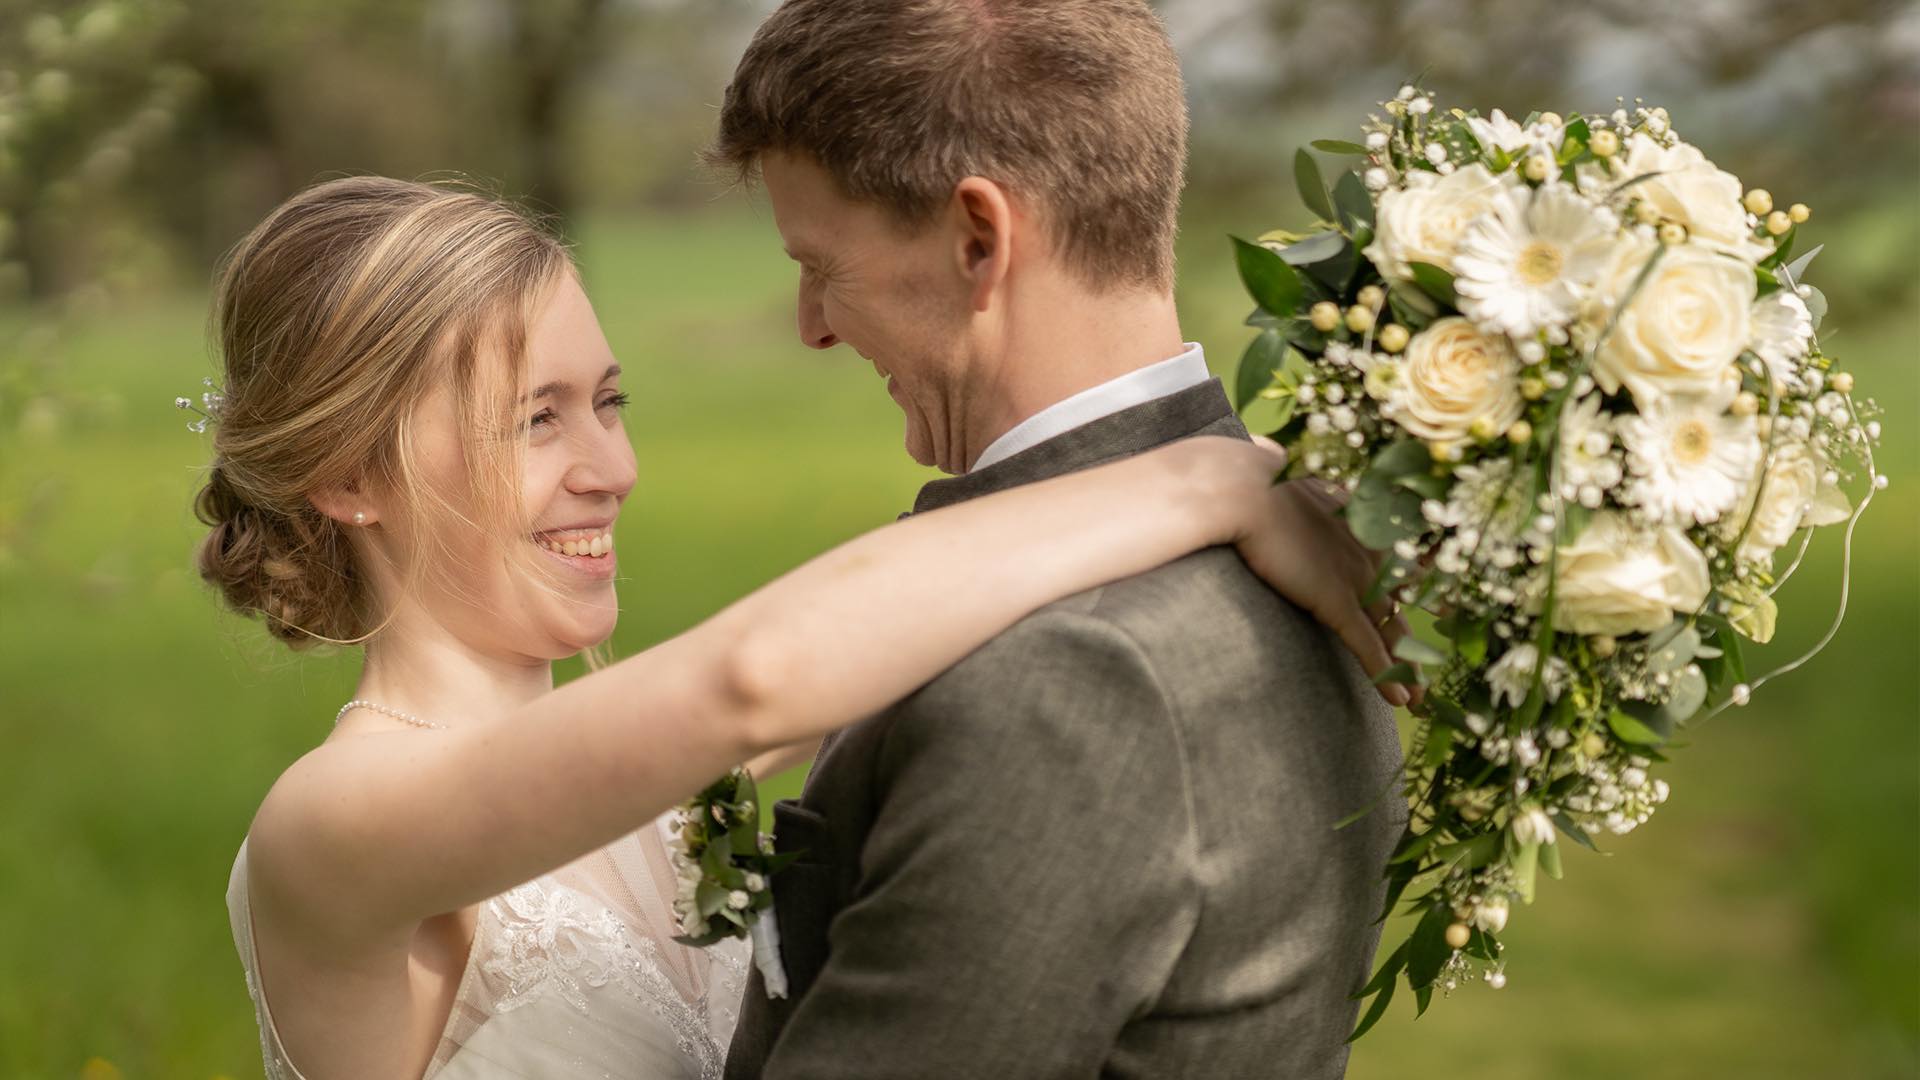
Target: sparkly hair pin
(210, 403)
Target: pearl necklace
(357, 703)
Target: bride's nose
(603, 463)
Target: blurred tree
(1794, 86)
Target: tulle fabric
(573, 974)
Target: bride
(420, 451)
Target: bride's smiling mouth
(586, 550)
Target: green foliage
(1263, 359)
(1274, 285)
(1313, 189)
(1382, 510)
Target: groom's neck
(1055, 346)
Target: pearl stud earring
(359, 518)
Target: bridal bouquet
(1573, 386)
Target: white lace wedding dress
(574, 974)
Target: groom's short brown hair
(1074, 105)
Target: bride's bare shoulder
(318, 826)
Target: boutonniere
(724, 867)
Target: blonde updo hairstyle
(335, 318)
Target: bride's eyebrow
(561, 386)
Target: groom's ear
(983, 237)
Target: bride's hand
(1288, 534)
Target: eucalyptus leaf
(1676, 653)
(1402, 458)
(1816, 302)
(1320, 245)
(1382, 517)
(1313, 189)
(1686, 695)
(1339, 146)
(1439, 745)
(1424, 484)
(1797, 269)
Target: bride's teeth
(583, 547)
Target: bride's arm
(422, 823)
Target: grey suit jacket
(1100, 846)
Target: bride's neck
(427, 671)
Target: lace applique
(726, 986)
(551, 936)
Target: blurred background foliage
(1766, 925)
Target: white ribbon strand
(766, 953)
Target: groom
(1103, 844)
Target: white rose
(1791, 495)
(1452, 375)
(1687, 324)
(1617, 579)
(1692, 191)
(1422, 222)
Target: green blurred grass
(1765, 924)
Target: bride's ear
(983, 236)
(347, 504)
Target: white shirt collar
(1136, 387)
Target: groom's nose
(812, 319)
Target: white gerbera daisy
(1782, 327)
(1525, 264)
(1690, 457)
(1588, 467)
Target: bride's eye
(540, 419)
(618, 400)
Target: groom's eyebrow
(561, 386)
